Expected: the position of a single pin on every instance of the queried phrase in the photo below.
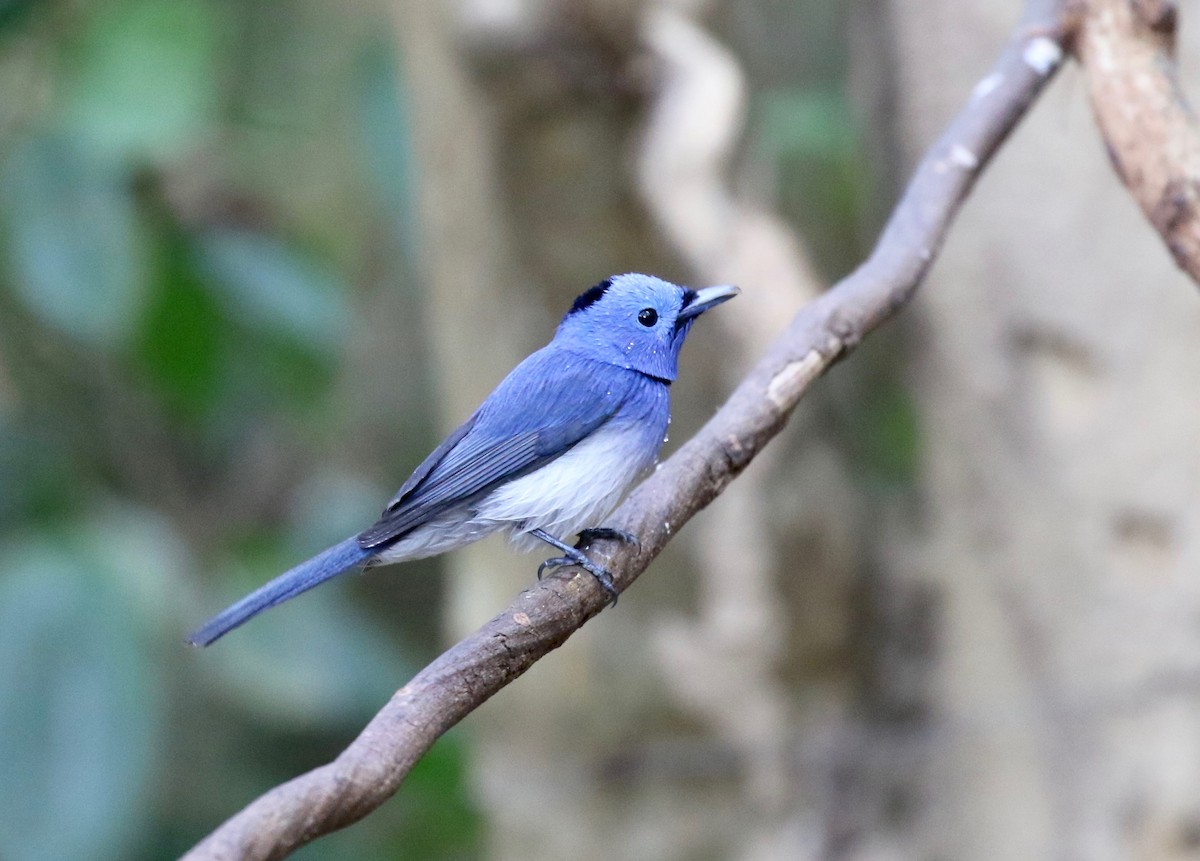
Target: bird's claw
(598, 571)
(553, 563)
(596, 533)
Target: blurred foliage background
(201, 204)
(213, 363)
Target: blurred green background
(208, 221)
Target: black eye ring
(647, 317)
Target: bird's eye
(647, 317)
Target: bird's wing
(427, 465)
(547, 405)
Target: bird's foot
(576, 557)
(607, 533)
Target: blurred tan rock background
(992, 657)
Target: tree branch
(372, 768)
(1153, 140)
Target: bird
(549, 453)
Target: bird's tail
(329, 563)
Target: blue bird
(549, 452)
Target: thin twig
(372, 768)
(1152, 135)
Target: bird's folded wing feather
(546, 406)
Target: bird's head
(637, 322)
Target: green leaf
(815, 123)
(264, 283)
(317, 659)
(312, 662)
(433, 815)
(387, 139)
(80, 714)
(13, 13)
(35, 473)
(142, 84)
(441, 821)
(180, 343)
(74, 241)
(823, 177)
(884, 431)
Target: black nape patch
(590, 296)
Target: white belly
(575, 491)
(572, 492)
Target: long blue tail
(329, 563)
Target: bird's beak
(709, 297)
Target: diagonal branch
(372, 768)
(1152, 135)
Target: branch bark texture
(372, 768)
(1153, 138)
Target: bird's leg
(596, 533)
(574, 556)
